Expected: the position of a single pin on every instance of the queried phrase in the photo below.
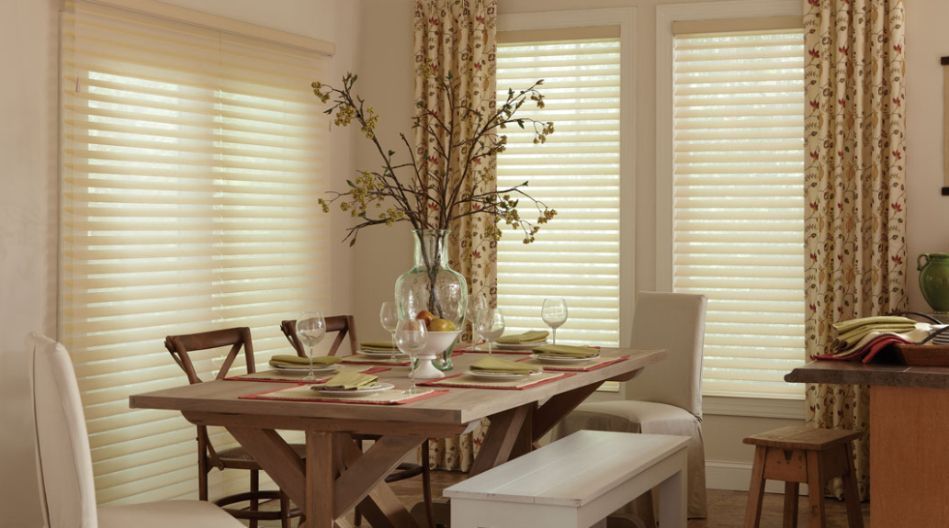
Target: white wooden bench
(576, 482)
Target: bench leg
(791, 491)
(673, 500)
(756, 489)
(815, 490)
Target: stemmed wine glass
(554, 313)
(411, 336)
(478, 311)
(491, 326)
(389, 317)
(311, 329)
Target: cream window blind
(577, 172)
(192, 160)
(739, 203)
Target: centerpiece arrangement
(431, 189)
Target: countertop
(847, 373)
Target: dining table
(336, 475)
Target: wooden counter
(909, 438)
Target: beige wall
(29, 197)
(928, 212)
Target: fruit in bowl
(441, 325)
(426, 316)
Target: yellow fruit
(441, 325)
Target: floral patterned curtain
(855, 219)
(456, 38)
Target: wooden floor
(726, 509)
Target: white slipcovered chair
(667, 398)
(64, 464)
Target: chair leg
(284, 510)
(815, 485)
(852, 498)
(202, 476)
(427, 486)
(254, 491)
(755, 489)
(357, 515)
(791, 490)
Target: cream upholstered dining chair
(667, 398)
(64, 465)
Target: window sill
(791, 409)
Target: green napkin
(379, 345)
(567, 351)
(349, 380)
(843, 327)
(493, 364)
(297, 360)
(530, 336)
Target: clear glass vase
(437, 292)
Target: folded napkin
(844, 326)
(287, 359)
(531, 336)
(349, 380)
(492, 364)
(378, 345)
(567, 351)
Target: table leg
(320, 479)
(500, 439)
(550, 413)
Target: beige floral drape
(855, 219)
(457, 38)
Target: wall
(29, 201)
(927, 211)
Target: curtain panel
(855, 196)
(457, 39)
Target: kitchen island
(909, 438)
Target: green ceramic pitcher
(934, 280)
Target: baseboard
(735, 476)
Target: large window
(738, 203)
(577, 172)
(191, 164)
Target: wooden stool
(798, 454)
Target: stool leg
(284, 510)
(254, 491)
(791, 490)
(673, 504)
(815, 484)
(755, 489)
(852, 498)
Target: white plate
(303, 369)
(368, 389)
(382, 353)
(516, 346)
(499, 376)
(562, 359)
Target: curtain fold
(855, 215)
(458, 38)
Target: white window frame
(625, 18)
(665, 16)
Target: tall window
(191, 164)
(738, 224)
(577, 172)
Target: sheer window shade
(577, 172)
(738, 203)
(192, 160)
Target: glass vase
(431, 290)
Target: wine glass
(389, 317)
(554, 313)
(479, 310)
(311, 329)
(411, 336)
(491, 326)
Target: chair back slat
(343, 325)
(64, 463)
(182, 346)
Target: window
(577, 172)
(192, 159)
(738, 203)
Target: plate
(499, 376)
(382, 353)
(368, 389)
(563, 359)
(303, 369)
(516, 346)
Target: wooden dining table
(337, 475)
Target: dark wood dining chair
(344, 325)
(181, 347)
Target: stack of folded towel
(863, 339)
